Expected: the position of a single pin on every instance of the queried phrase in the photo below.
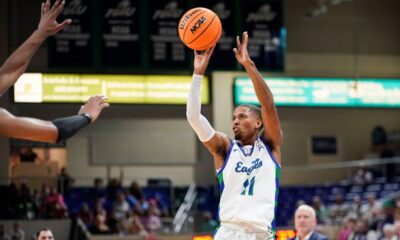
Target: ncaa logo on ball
(198, 25)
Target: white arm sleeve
(199, 123)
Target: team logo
(245, 169)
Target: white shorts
(227, 233)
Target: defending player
(15, 66)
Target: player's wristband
(68, 126)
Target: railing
(79, 231)
(184, 210)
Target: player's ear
(259, 123)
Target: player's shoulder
(225, 138)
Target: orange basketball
(199, 28)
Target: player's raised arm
(17, 63)
(215, 142)
(272, 132)
(51, 131)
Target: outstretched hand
(241, 53)
(201, 60)
(94, 106)
(48, 24)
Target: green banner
(126, 89)
(324, 92)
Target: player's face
(304, 221)
(245, 123)
(46, 235)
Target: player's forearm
(17, 63)
(27, 128)
(193, 106)
(263, 92)
(197, 121)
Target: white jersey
(249, 188)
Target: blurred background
(140, 172)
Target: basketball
(199, 28)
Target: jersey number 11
(250, 185)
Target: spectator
(64, 182)
(338, 210)
(113, 223)
(11, 199)
(320, 210)
(121, 206)
(133, 225)
(98, 191)
(363, 176)
(136, 191)
(362, 232)
(100, 221)
(378, 136)
(85, 215)
(114, 185)
(372, 209)
(355, 207)
(162, 205)
(27, 155)
(208, 223)
(3, 235)
(389, 232)
(41, 201)
(348, 227)
(397, 229)
(27, 208)
(17, 233)
(55, 205)
(100, 225)
(305, 221)
(44, 234)
(151, 219)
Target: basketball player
(248, 166)
(15, 66)
(44, 234)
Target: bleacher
(208, 197)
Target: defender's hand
(94, 106)
(48, 24)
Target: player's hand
(241, 53)
(201, 60)
(48, 24)
(94, 106)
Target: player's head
(44, 234)
(246, 121)
(305, 220)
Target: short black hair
(252, 108)
(41, 230)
